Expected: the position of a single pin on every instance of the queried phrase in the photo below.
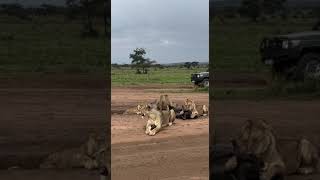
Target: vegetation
(276, 90)
(234, 47)
(139, 61)
(166, 75)
(236, 41)
(45, 39)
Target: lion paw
(152, 133)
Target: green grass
(307, 90)
(234, 47)
(171, 75)
(234, 44)
(50, 44)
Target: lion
(308, 157)
(158, 120)
(164, 103)
(202, 110)
(257, 137)
(190, 106)
(137, 109)
(90, 155)
(192, 110)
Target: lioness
(90, 155)
(158, 119)
(137, 109)
(256, 137)
(192, 110)
(164, 103)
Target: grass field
(172, 75)
(234, 47)
(50, 44)
(234, 44)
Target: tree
(90, 8)
(73, 7)
(194, 64)
(15, 9)
(187, 65)
(139, 61)
(272, 7)
(251, 9)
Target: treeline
(72, 9)
(84, 10)
(261, 10)
(188, 65)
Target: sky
(171, 31)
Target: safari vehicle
(295, 55)
(200, 79)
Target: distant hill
(182, 63)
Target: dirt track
(36, 121)
(44, 117)
(178, 152)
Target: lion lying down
(90, 155)
(257, 138)
(189, 110)
(156, 120)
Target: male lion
(158, 119)
(90, 155)
(257, 137)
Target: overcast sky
(170, 30)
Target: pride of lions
(255, 142)
(163, 112)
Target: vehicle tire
(205, 83)
(308, 67)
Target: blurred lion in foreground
(257, 138)
(90, 155)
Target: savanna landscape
(245, 88)
(183, 145)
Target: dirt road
(178, 152)
(41, 117)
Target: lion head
(144, 109)
(256, 137)
(190, 106)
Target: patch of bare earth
(177, 152)
(41, 117)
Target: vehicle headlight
(285, 44)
